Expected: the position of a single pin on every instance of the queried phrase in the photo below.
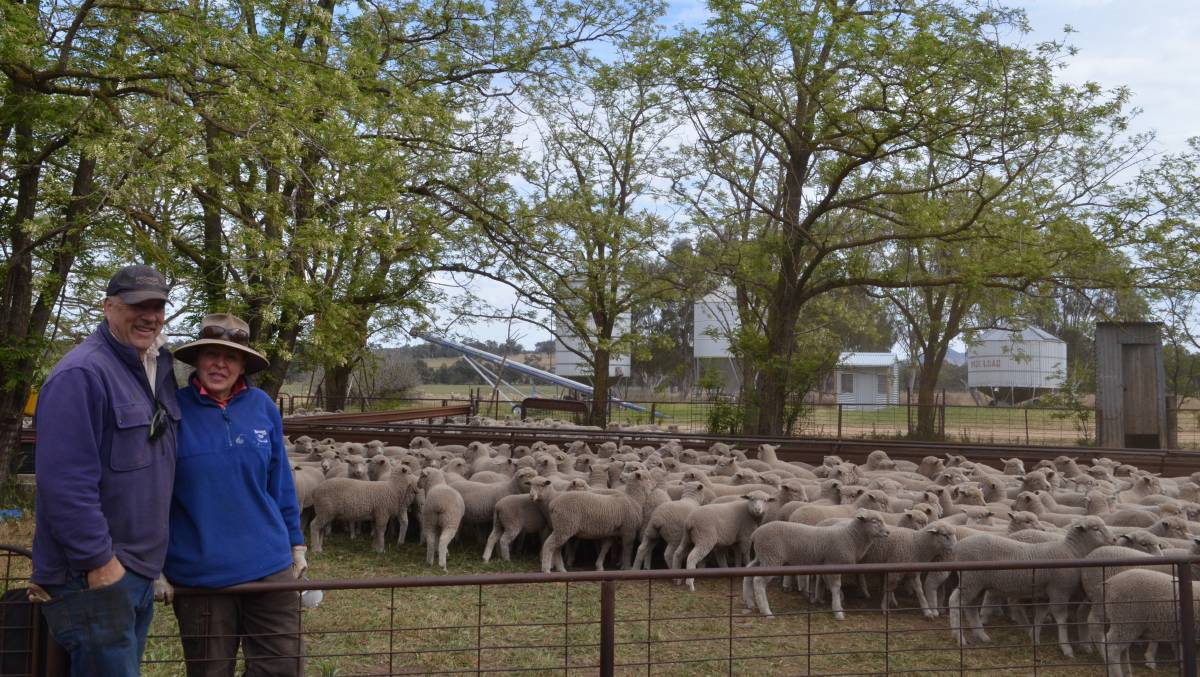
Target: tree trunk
(17, 351)
(599, 413)
(782, 316)
(927, 379)
(336, 386)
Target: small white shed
(867, 380)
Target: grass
(552, 629)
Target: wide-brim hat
(228, 331)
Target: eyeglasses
(213, 331)
(158, 422)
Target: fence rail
(637, 623)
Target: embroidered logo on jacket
(261, 437)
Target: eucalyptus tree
(844, 98)
(582, 227)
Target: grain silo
(1012, 366)
(714, 321)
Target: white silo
(714, 321)
(568, 363)
(1014, 366)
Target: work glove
(37, 593)
(163, 591)
(299, 564)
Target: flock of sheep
(764, 512)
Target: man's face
(136, 325)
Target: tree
(833, 105)
(574, 245)
(76, 78)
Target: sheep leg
(506, 541)
(646, 546)
(316, 532)
(1061, 612)
(1151, 655)
(430, 544)
(380, 534)
(863, 586)
(550, 549)
(605, 545)
(402, 518)
(1116, 656)
(699, 552)
(834, 581)
(748, 589)
(443, 545)
(760, 595)
(933, 590)
(914, 584)
(628, 538)
(668, 555)
(678, 555)
(493, 538)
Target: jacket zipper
(228, 428)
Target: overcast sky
(1150, 46)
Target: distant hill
(955, 357)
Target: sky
(1149, 46)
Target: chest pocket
(131, 449)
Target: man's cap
(136, 284)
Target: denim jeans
(103, 630)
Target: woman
(234, 515)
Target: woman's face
(218, 369)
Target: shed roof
(866, 360)
(1027, 334)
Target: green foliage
(725, 418)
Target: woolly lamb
(357, 500)
(441, 514)
(783, 543)
(668, 522)
(585, 514)
(934, 543)
(481, 497)
(721, 524)
(1141, 606)
(1059, 585)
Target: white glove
(299, 564)
(163, 590)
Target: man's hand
(106, 575)
(163, 590)
(299, 563)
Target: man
(106, 422)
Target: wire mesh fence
(641, 623)
(967, 424)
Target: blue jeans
(103, 630)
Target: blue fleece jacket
(234, 515)
(103, 486)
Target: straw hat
(228, 331)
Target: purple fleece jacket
(103, 487)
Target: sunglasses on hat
(213, 331)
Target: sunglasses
(235, 335)
(158, 422)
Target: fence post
(1027, 425)
(608, 603)
(653, 407)
(839, 432)
(1186, 621)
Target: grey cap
(137, 284)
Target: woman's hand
(299, 563)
